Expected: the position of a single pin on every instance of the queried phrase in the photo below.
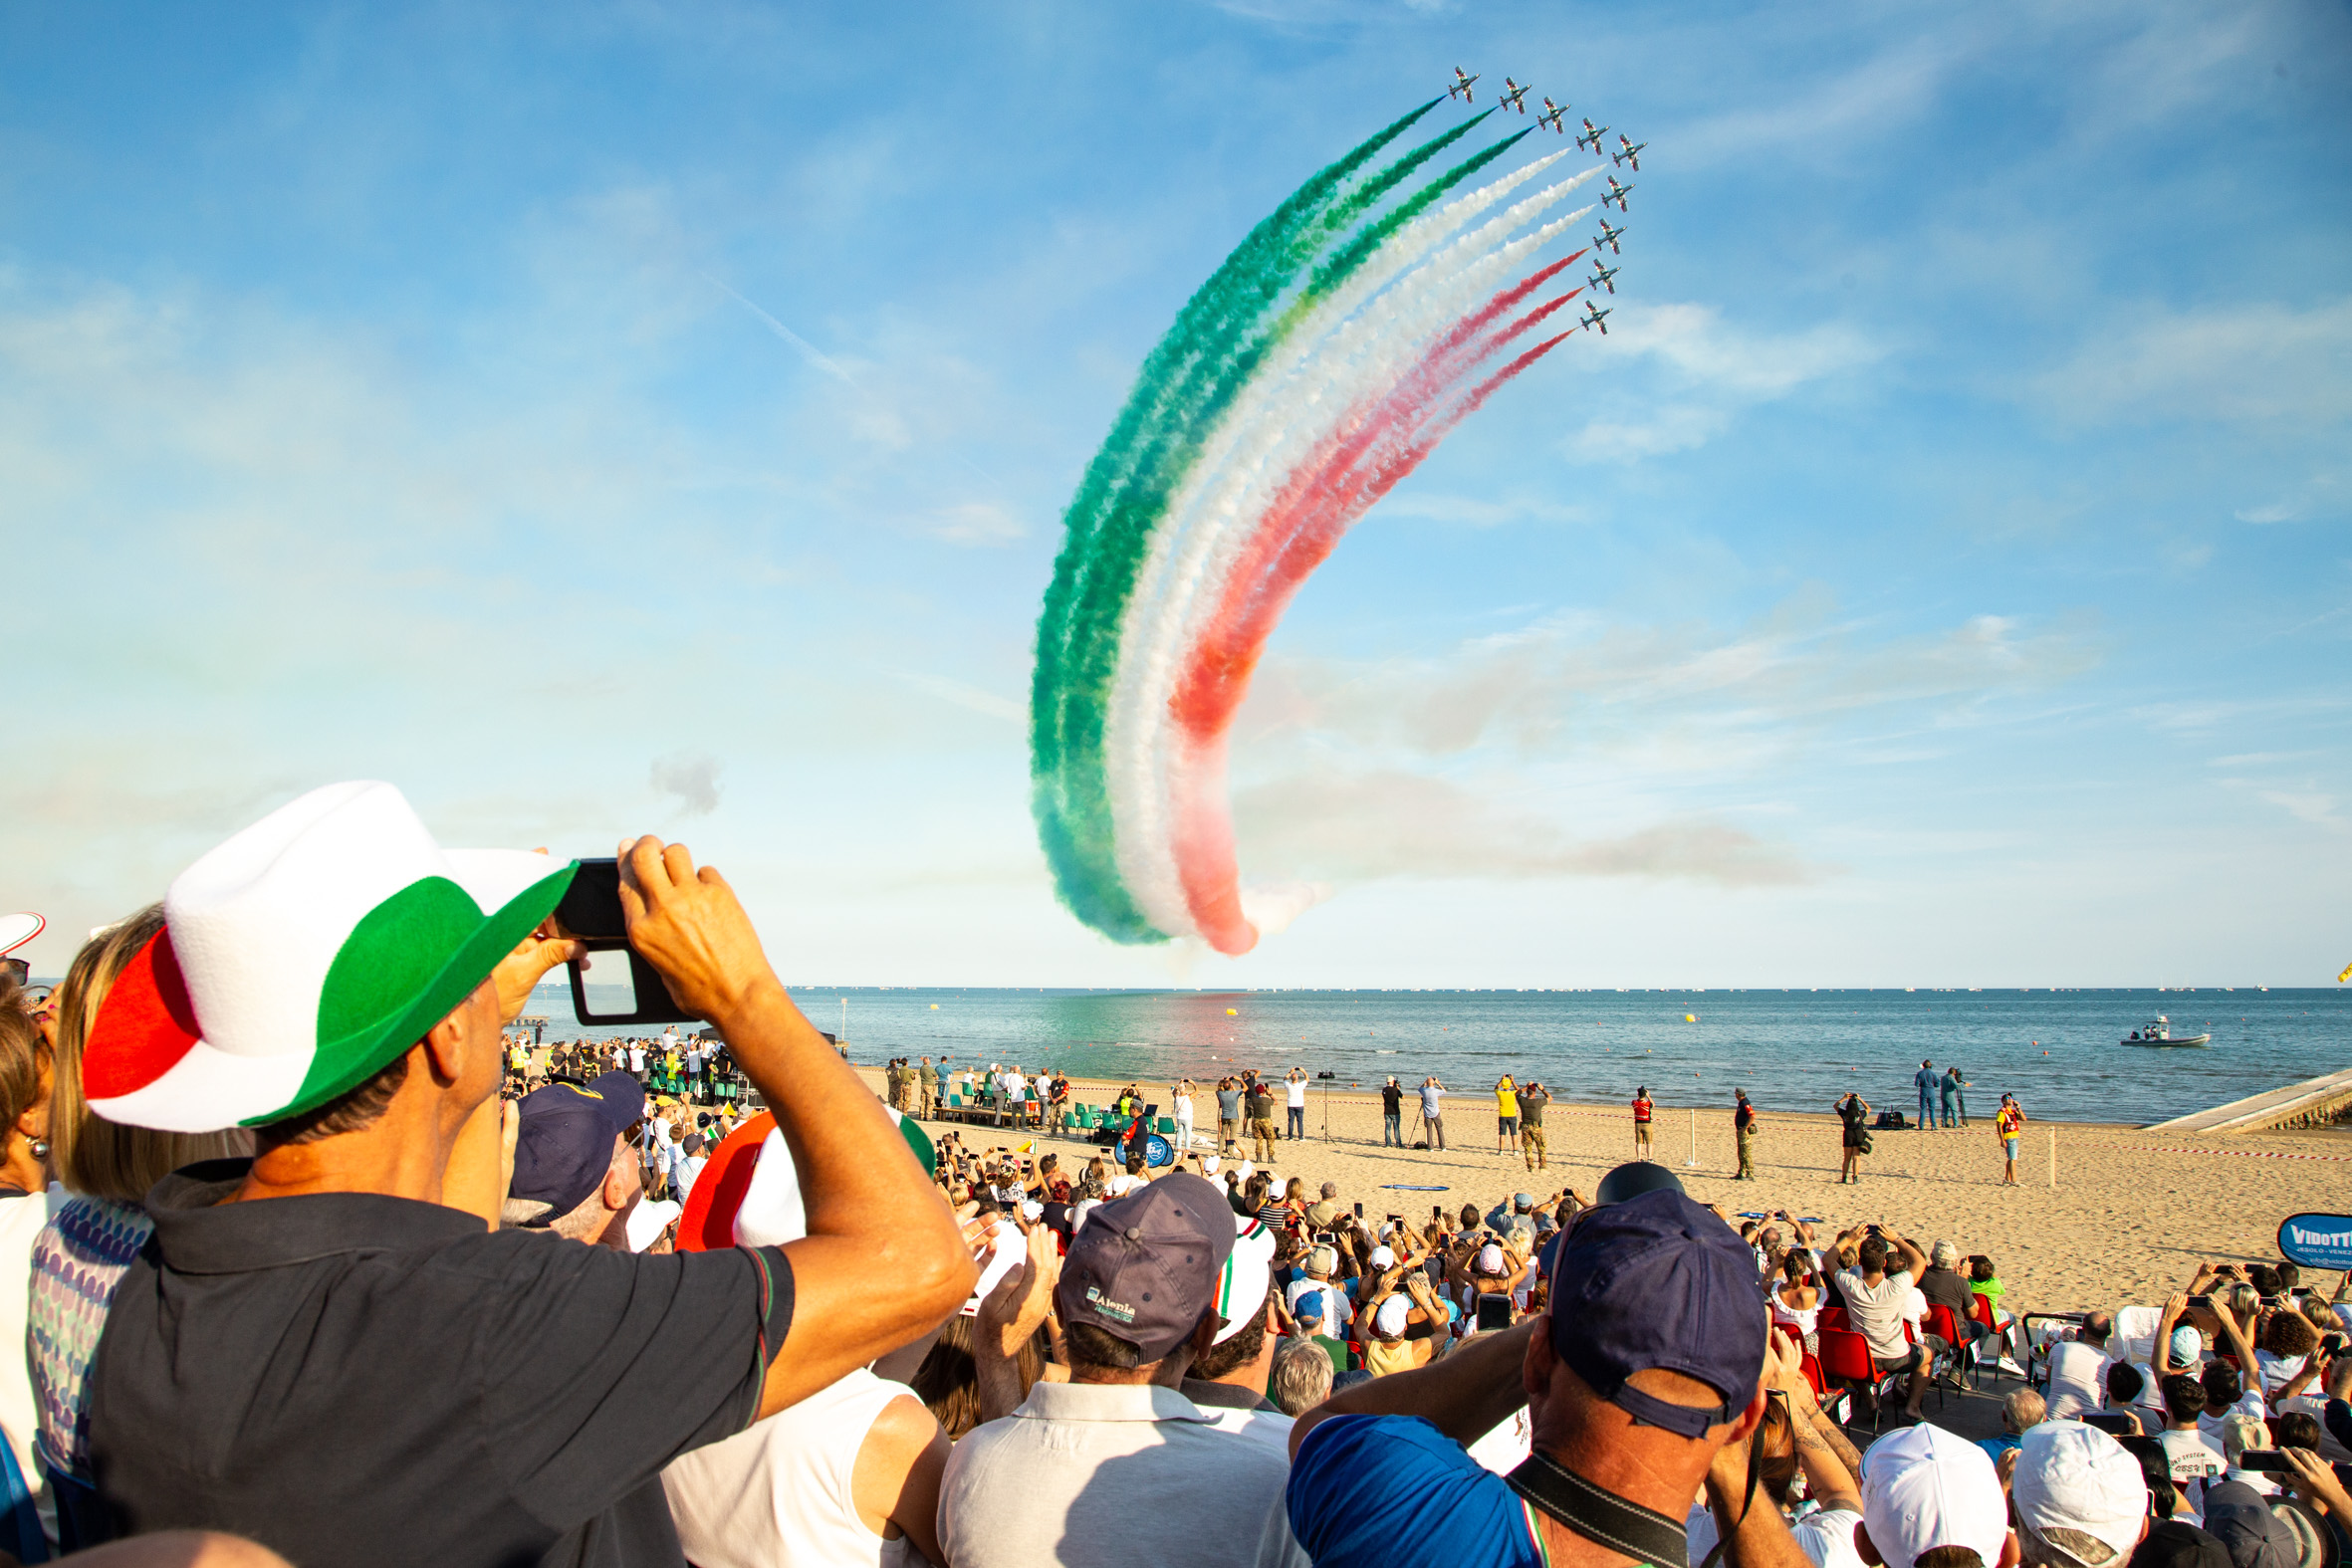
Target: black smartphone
(2201, 1301)
(2269, 1460)
(627, 990)
(1494, 1312)
(2115, 1423)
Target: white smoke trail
(1140, 836)
(1332, 356)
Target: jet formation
(1626, 154)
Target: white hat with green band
(300, 957)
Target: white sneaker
(2011, 1368)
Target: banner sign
(2318, 1241)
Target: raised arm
(851, 1161)
(1465, 1396)
(2161, 1362)
(1915, 1261)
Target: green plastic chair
(1168, 1127)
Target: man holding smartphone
(347, 979)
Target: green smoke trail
(1072, 809)
(1185, 388)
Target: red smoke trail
(1371, 451)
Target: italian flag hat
(749, 1192)
(301, 956)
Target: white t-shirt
(1015, 1083)
(1122, 1184)
(636, 1059)
(21, 1220)
(1297, 1089)
(2279, 1371)
(2193, 1457)
(1184, 1107)
(2078, 1373)
(1336, 1311)
(1877, 1310)
(780, 1490)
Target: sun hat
(749, 1194)
(1658, 1282)
(301, 956)
(1145, 1267)
(1925, 1487)
(2076, 1479)
(1248, 1275)
(565, 1137)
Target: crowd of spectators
(295, 1273)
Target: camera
(591, 912)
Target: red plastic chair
(1944, 1326)
(1811, 1367)
(1835, 1317)
(1845, 1359)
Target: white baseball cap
(1249, 1275)
(1490, 1259)
(1390, 1319)
(1925, 1487)
(1381, 1258)
(2071, 1477)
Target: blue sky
(615, 418)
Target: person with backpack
(1854, 1112)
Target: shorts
(1910, 1360)
(1505, 1125)
(2009, 1148)
(1641, 1130)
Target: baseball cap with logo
(1925, 1487)
(1658, 1282)
(301, 956)
(564, 1142)
(2080, 1492)
(1145, 1267)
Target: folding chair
(1845, 1359)
(1944, 1326)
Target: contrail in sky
(809, 351)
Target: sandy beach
(2130, 1215)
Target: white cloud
(1355, 828)
(2258, 363)
(2276, 512)
(1703, 372)
(981, 524)
(965, 696)
(691, 779)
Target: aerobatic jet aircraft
(1604, 276)
(1460, 86)
(1616, 193)
(1593, 135)
(1592, 317)
(1608, 236)
(1515, 96)
(1552, 117)
(1628, 152)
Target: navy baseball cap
(1143, 1269)
(1634, 1177)
(1657, 1282)
(564, 1143)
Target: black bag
(1892, 1119)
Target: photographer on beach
(437, 1391)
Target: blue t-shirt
(1392, 1491)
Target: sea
(2059, 1052)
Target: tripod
(1326, 1110)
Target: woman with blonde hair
(79, 1260)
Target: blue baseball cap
(1657, 1282)
(564, 1143)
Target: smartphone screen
(1494, 1312)
(1359, 1209)
(2114, 1423)
(2201, 1301)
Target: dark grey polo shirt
(356, 1379)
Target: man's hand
(690, 926)
(520, 972)
(2316, 1480)
(1012, 1312)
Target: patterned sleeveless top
(78, 1261)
